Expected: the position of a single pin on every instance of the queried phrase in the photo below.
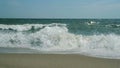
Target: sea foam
(56, 37)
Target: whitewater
(57, 38)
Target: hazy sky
(59, 8)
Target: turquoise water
(93, 37)
(80, 26)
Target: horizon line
(56, 18)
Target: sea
(90, 37)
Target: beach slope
(55, 61)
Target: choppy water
(93, 37)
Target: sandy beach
(55, 61)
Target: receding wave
(56, 37)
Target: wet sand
(55, 61)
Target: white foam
(20, 27)
(55, 37)
(91, 23)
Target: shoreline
(12, 60)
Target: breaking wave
(56, 37)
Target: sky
(59, 8)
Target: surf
(56, 37)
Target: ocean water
(92, 37)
